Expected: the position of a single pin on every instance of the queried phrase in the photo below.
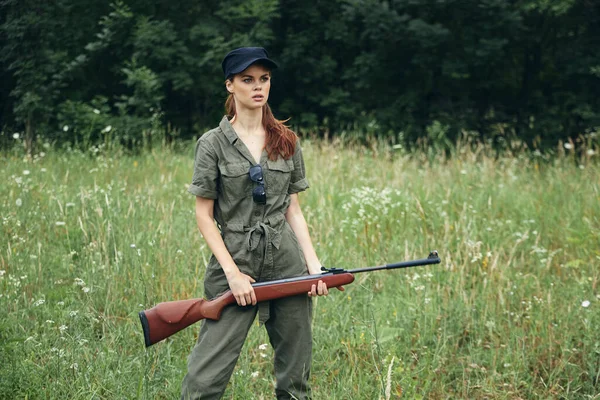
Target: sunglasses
(256, 175)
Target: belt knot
(259, 229)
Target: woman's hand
(241, 288)
(320, 289)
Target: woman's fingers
(319, 289)
(242, 290)
(322, 289)
(246, 299)
(251, 295)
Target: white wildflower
(39, 302)
(262, 346)
(73, 313)
(96, 111)
(60, 303)
(26, 172)
(2, 272)
(568, 146)
(49, 321)
(132, 245)
(66, 128)
(107, 129)
(19, 202)
(70, 204)
(62, 328)
(254, 374)
(79, 282)
(74, 366)
(85, 289)
(585, 304)
(43, 170)
(60, 223)
(590, 152)
(16, 135)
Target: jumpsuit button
(257, 213)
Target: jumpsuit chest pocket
(235, 180)
(278, 175)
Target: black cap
(239, 59)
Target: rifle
(166, 319)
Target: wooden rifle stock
(166, 319)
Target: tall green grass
(88, 239)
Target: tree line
(89, 70)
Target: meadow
(90, 238)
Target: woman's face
(250, 88)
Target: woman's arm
(239, 283)
(298, 224)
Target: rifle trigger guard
(333, 270)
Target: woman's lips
(258, 97)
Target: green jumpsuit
(264, 247)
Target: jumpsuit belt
(272, 236)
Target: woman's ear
(229, 85)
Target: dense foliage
(91, 70)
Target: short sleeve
(298, 182)
(206, 172)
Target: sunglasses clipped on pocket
(258, 193)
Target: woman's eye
(247, 80)
(264, 79)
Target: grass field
(513, 312)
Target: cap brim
(242, 67)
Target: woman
(247, 175)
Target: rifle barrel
(432, 259)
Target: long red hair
(280, 140)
